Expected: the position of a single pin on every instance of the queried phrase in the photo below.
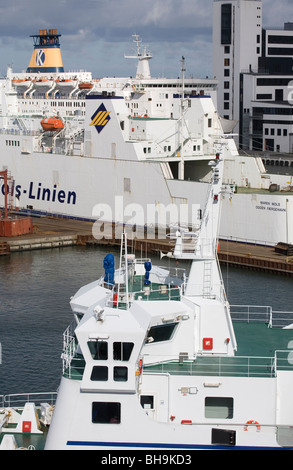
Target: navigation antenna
(143, 67)
(138, 42)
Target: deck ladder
(207, 278)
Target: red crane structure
(12, 226)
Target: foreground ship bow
(152, 362)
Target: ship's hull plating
(136, 192)
(73, 429)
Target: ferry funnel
(46, 56)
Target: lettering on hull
(38, 192)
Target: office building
(254, 66)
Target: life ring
(252, 421)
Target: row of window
(100, 350)
(279, 132)
(275, 81)
(68, 104)
(260, 111)
(280, 51)
(121, 351)
(168, 148)
(110, 412)
(278, 39)
(101, 374)
(12, 143)
(178, 85)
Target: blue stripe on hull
(141, 445)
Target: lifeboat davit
(52, 124)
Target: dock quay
(51, 232)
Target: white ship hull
(262, 219)
(73, 186)
(155, 430)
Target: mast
(143, 66)
(181, 163)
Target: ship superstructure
(91, 148)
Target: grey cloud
(97, 33)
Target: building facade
(254, 66)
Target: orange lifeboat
(52, 124)
(85, 86)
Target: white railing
(284, 360)
(147, 294)
(252, 313)
(216, 291)
(69, 347)
(27, 132)
(261, 314)
(18, 400)
(281, 319)
(231, 366)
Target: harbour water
(35, 289)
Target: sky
(96, 34)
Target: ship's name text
(270, 206)
(42, 193)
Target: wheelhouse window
(106, 412)
(99, 373)
(161, 332)
(98, 350)
(122, 351)
(120, 374)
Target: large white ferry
(129, 150)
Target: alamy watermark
(149, 221)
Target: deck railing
(252, 313)
(18, 400)
(261, 314)
(69, 347)
(147, 294)
(236, 366)
(284, 360)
